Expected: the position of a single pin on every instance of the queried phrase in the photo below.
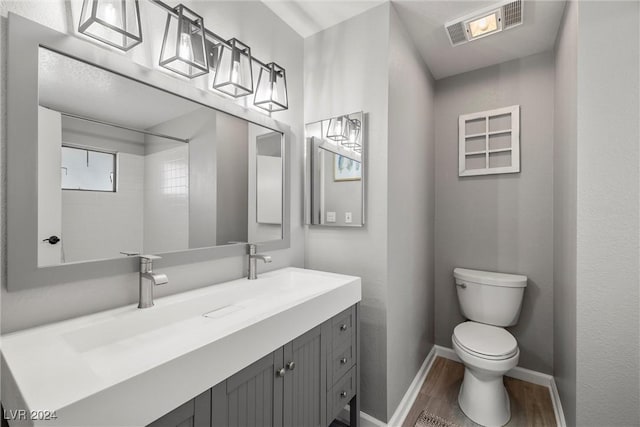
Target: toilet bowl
(487, 353)
(490, 301)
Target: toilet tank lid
(490, 278)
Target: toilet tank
(488, 297)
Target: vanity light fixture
(189, 49)
(183, 47)
(114, 22)
(339, 129)
(354, 133)
(271, 90)
(234, 74)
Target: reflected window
(88, 170)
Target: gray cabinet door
(194, 413)
(252, 397)
(305, 387)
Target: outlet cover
(331, 217)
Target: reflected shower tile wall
(166, 213)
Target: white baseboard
(557, 405)
(366, 420)
(523, 374)
(405, 404)
(410, 396)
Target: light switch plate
(348, 218)
(331, 217)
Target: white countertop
(130, 366)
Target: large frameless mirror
(108, 159)
(125, 168)
(335, 171)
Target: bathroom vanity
(281, 350)
(278, 351)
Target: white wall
(98, 225)
(564, 211)
(166, 196)
(346, 71)
(499, 222)
(270, 39)
(608, 195)
(411, 211)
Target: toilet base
(483, 398)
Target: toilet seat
(485, 341)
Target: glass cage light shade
(271, 90)
(339, 129)
(354, 134)
(114, 22)
(183, 47)
(234, 74)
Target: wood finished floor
(530, 403)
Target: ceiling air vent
(512, 14)
(484, 22)
(457, 33)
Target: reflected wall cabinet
(489, 142)
(305, 383)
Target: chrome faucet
(253, 258)
(149, 279)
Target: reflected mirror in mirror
(335, 171)
(126, 167)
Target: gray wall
(501, 222)
(257, 231)
(411, 211)
(608, 193)
(232, 146)
(341, 196)
(345, 71)
(203, 165)
(394, 252)
(243, 19)
(564, 212)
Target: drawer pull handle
(291, 366)
(280, 372)
(343, 394)
(343, 327)
(343, 361)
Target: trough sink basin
(164, 355)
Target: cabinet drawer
(341, 393)
(343, 327)
(342, 359)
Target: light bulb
(483, 24)
(235, 72)
(109, 14)
(186, 49)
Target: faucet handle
(150, 257)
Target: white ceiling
(68, 85)
(308, 17)
(424, 20)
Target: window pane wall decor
(489, 142)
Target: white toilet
(491, 301)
